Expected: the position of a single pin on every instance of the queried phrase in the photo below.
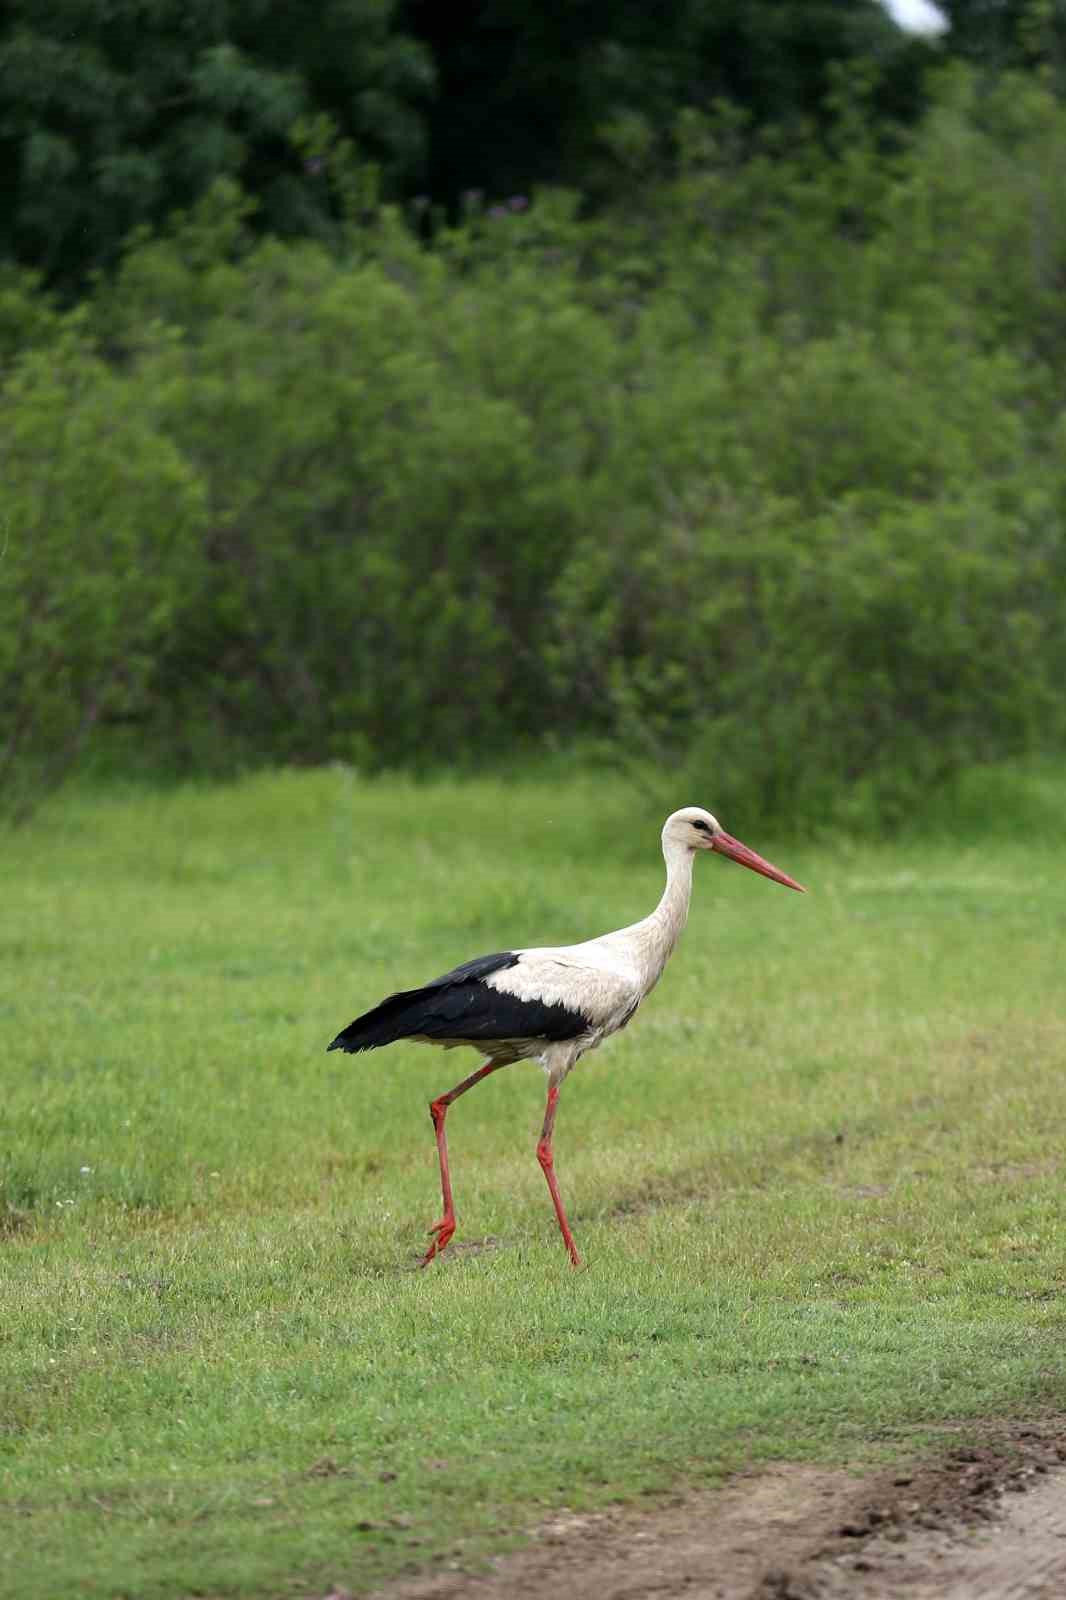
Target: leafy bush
(98, 521)
(823, 671)
(758, 485)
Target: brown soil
(977, 1522)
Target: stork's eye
(702, 826)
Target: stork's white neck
(651, 941)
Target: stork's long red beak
(726, 845)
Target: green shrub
(828, 671)
(397, 454)
(758, 487)
(98, 514)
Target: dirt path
(977, 1523)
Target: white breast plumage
(604, 994)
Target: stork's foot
(440, 1233)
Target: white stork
(548, 1004)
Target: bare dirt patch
(974, 1522)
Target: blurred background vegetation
(415, 385)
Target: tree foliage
(529, 94)
(999, 35)
(113, 113)
(116, 112)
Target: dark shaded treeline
(114, 113)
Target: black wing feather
(459, 1005)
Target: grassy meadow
(817, 1183)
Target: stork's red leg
(547, 1162)
(438, 1110)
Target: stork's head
(692, 828)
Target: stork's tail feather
(422, 1013)
(351, 1039)
(383, 1025)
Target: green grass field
(818, 1182)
